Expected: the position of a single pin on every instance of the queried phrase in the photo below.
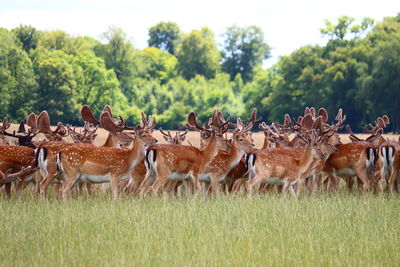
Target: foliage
(356, 70)
(165, 36)
(198, 55)
(244, 49)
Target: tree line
(357, 70)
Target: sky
(287, 24)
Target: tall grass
(340, 229)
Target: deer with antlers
(139, 172)
(287, 167)
(357, 159)
(91, 164)
(46, 153)
(182, 162)
(225, 161)
(239, 170)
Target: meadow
(262, 230)
(322, 229)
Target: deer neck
(306, 160)
(236, 153)
(111, 141)
(136, 153)
(210, 151)
(266, 143)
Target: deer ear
(21, 128)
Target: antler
(167, 136)
(109, 124)
(352, 137)
(253, 117)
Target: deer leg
(114, 186)
(392, 180)
(362, 175)
(8, 189)
(68, 184)
(90, 188)
(216, 187)
(155, 188)
(45, 183)
(238, 184)
(285, 187)
(350, 183)
(38, 179)
(258, 179)
(19, 187)
(205, 187)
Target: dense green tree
(382, 85)
(118, 55)
(198, 55)
(57, 84)
(96, 86)
(17, 80)
(165, 36)
(244, 48)
(28, 36)
(54, 40)
(338, 31)
(153, 63)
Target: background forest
(358, 70)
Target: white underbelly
(29, 178)
(205, 177)
(274, 180)
(98, 179)
(177, 176)
(95, 179)
(345, 172)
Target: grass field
(268, 230)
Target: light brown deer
(17, 158)
(139, 172)
(46, 152)
(273, 166)
(179, 162)
(389, 165)
(225, 161)
(91, 164)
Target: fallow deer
(46, 153)
(91, 164)
(182, 162)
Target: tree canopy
(357, 70)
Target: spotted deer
(182, 162)
(92, 164)
(46, 153)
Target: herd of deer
(303, 152)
